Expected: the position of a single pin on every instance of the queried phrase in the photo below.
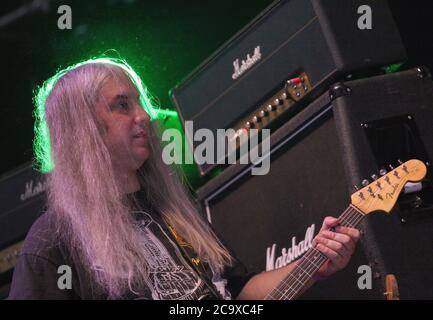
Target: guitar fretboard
(292, 285)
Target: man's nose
(141, 116)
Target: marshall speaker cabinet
(317, 158)
(22, 199)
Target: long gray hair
(85, 200)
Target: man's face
(125, 123)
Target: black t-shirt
(39, 274)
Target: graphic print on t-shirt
(170, 278)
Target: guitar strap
(201, 267)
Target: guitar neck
(294, 283)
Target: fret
(317, 259)
(290, 292)
(310, 263)
(346, 223)
(355, 209)
(296, 277)
(314, 263)
(278, 294)
(304, 271)
(289, 283)
(351, 217)
(295, 281)
(281, 292)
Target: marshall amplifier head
(291, 51)
(22, 199)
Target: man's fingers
(337, 243)
(329, 222)
(335, 246)
(342, 238)
(330, 254)
(351, 232)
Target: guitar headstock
(382, 194)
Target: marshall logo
(33, 190)
(244, 65)
(289, 254)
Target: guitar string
(300, 267)
(307, 272)
(347, 217)
(350, 216)
(291, 275)
(305, 269)
(353, 215)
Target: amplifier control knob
(262, 113)
(255, 119)
(270, 108)
(276, 102)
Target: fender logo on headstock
(390, 195)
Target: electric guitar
(380, 195)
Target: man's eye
(123, 105)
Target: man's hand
(337, 245)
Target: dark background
(162, 40)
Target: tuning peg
(365, 182)
(382, 171)
(379, 185)
(391, 167)
(356, 187)
(375, 177)
(399, 161)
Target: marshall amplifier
(22, 199)
(288, 54)
(316, 159)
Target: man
(118, 220)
